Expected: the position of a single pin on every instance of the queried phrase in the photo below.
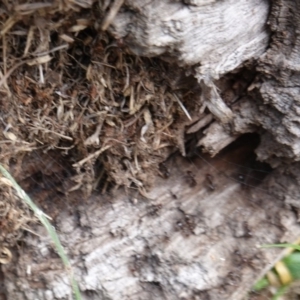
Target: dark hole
(250, 171)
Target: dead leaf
(11, 136)
(5, 255)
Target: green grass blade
(281, 291)
(293, 246)
(260, 284)
(51, 230)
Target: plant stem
(51, 230)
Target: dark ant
(136, 264)
(187, 225)
(174, 196)
(232, 279)
(248, 233)
(163, 171)
(190, 179)
(209, 179)
(154, 209)
(190, 222)
(240, 260)
(166, 239)
(139, 261)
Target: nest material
(68, 89)
(66, 85)
(14, 218)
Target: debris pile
(67, 86)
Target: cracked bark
(192, 237)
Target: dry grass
(15, 216)
(66, 85)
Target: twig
(91, 156)
(29, 62)
(112, 13)
(61, 47)
(54, 132)
(11, 70)
(182, 107)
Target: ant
(233, 278)
(190, 179)
(186, 224)
(154, 209)
(247, 230)
(241, 260)
(173, 195)
(163, 171)
(209, 179)
(136, 264)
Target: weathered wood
(196, 238)
(218, 35)
(274, 105)
(278, 86)
(217, 136)
(215, 39)
(226, 34)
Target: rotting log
(196, 237)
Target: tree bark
(195, 237)
(197, 234)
